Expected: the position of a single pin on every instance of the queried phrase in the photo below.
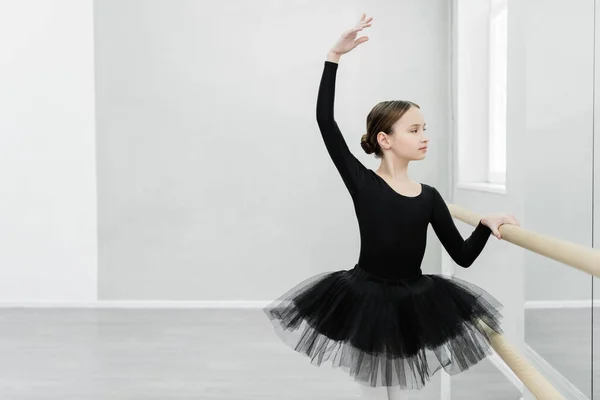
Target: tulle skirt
(387, 332)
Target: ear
(383, 140)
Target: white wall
(214, 183)
(47, 152)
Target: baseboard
(556, 379)
(137, 304)
(535, 305)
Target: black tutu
(387, 332)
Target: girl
(385, 322)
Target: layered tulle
(387, 332)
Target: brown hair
(381, 119)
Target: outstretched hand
(494, 221)
(348, 40)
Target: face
(408, 138)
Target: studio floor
(133, 354)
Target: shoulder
(431, 191)
(428, 188)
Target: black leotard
(393, 227)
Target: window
(497, 92)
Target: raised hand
(348, 40)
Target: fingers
(510, 219)
(515, 220)
(499, 220)
(353, 31)
(362, 24)
(363, 21)
(496, 233)
(360, 40)
(366, 22)
(363, 16)
(360, 27)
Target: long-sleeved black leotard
(393, 227)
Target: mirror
(596, 226)
(558, 194)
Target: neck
(394, 168)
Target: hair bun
(367, 147)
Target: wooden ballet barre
(575, 255)
(531, 378)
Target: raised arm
(350, 168)
(463, 252)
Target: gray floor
(563, 337)
(178, 354)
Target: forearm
(473, 246)
(463, 252)
(349, 167)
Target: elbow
(465, 263)
(323, 118)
